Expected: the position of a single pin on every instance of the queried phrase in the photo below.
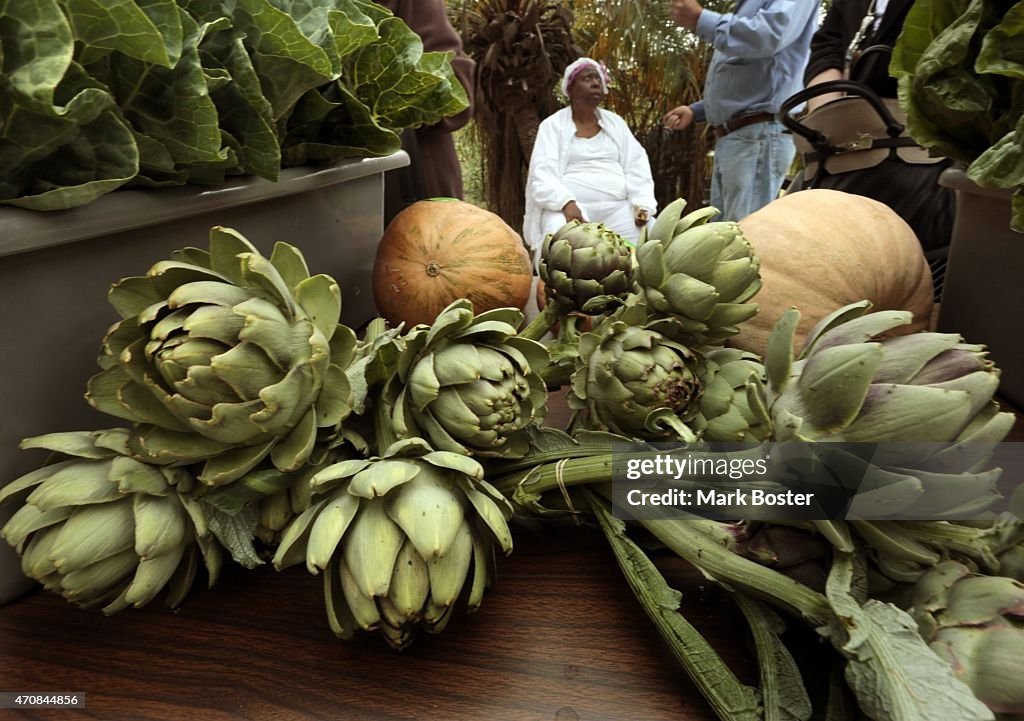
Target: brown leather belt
(741, 121)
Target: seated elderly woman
(587, 165)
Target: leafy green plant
(166, 92)
(961, 82)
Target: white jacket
(544, 188)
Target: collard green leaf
(59, 158)
(164, 92)
(36, 48)
(322, 129)
(170, 105)
(244, 113)
(287, 62)
(1002, 48)
(147, 30)
(352, 28)
(391, 77)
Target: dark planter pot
(56, 268)
(983, 298)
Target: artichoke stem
(556, 375)
(732, 569)
(731, 700)
(536, 481)
(539, 326)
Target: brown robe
(435, 170)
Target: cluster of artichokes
(264, 429)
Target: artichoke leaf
(92, 533)
(328, 528)
(429, 512)
(295, 539)
(382, 476)
(75, 484)
(320, 297)
(448, 571)
(290, 264)
(370, 549)
(339, 617)
(233, 464)
(410, 584)
(151, 576)
(294, 450)
(835, 383)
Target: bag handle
(851, 87)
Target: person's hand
(641, 216)
(678, 118)
(685, 12)
(571, 211)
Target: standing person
(587, 165)
(434, 170)
(760, 51)
(855, 42)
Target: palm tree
(654, 66)
(521, 48)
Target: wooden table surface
(559, 637)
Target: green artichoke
(100, 527)
(396, 537)
(226, 357)
(732, 404)
(848, 384)
(976, 624)
(468, 384)
(701, 273)
(585, 267)
(925, 398)
(635, 381)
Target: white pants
(597, 207)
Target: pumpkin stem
(433, 268)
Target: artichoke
(848, 384)
(226, 357)
(396, 537)
(100, 527)
(925, 398)
(468, 384)
(976, 624)
(701, 273)
(732, 405)
(585, 267)
(635, 381)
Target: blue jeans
(750, 165)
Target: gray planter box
(56, 268)
(983, 294)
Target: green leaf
(37, 48)
(236, 534)
(731, 700)
(287, 62)
(893, 673)
(60, 157)
(146, 30)
(170, 105)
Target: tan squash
(823, 249)
(437, 251)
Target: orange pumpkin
(822, 249)
(439, 250)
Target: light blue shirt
(760, 53)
